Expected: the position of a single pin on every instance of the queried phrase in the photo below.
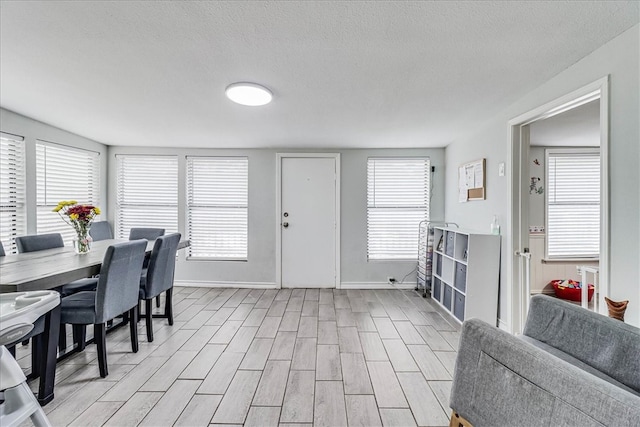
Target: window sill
(568, 260)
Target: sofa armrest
(502, 380)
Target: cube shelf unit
(466, 269)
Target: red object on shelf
(571, 294)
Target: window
(147, 193)
(12, 189)
(64, 173)
(217, 207)
(573, 203)
(397, 200)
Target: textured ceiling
(579, 127)
(344, 74)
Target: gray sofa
(571, 367)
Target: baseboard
(375, 285)
(272, 285)
(218, 284)
(503, 325)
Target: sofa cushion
(605, 344)
(577, 363)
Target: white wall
(618, 59)
(536, 200)
(32, 130)
(260, 268)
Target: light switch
(501, 169)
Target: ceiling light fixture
(250, 94)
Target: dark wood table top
(54, 267)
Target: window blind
(147, 193)
(397, 200)
(64, 173)
(573, 203)
(12, 191)
(217, 207)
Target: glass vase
(82, 243)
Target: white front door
(308, 223)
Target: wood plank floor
(269, 357)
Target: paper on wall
(463, 194)
(477, 175)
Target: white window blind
(147, 193)
(573, 203)
(217, 206)
(64, 173)
(397, 200)
(12, 191)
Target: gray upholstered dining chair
(145, 233)
(117, 293)
(41, 242)
(101, 230)
(158, 278)
(150, 234)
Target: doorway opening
(528, 223)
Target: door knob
(285, 224)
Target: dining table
(49, 269)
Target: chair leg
(148, 317)
(62, 338)
(133, 328)
(80, 336)
(36, 354)
(158, 301)
(100, 335)
(48, 343)
(168, 305)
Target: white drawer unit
(466, 271)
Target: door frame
(279, 157)
(517, 165)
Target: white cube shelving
(466, 271)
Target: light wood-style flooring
(267, 358)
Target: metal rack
(425, 253)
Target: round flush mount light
(250, 94)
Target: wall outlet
(391, 280)
(501, 169)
